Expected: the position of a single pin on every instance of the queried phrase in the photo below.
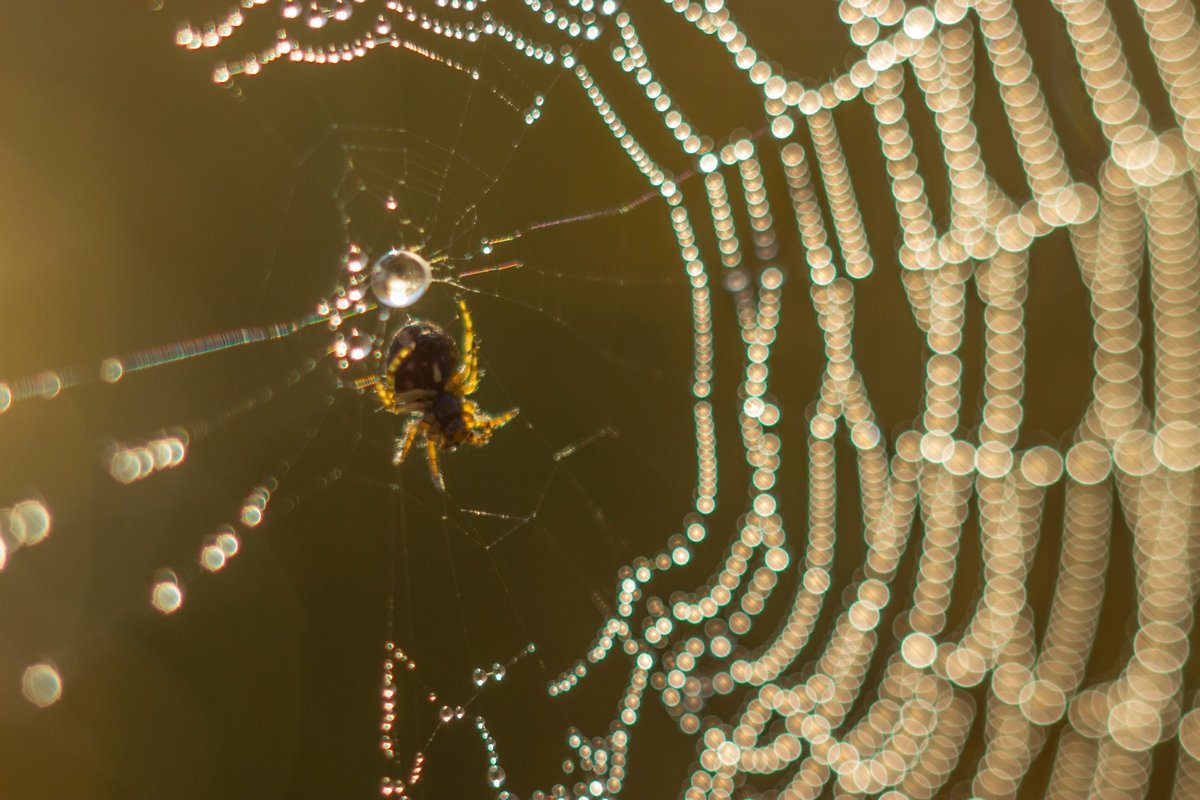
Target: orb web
(927, 533)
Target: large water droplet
(41, 685)
(167, 595)
(496, 776)
(400, 278)
(28, 522)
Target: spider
(426, 377)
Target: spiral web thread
(794, 730)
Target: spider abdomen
(432, 361)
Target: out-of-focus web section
(793, 724)
(913, 731)
(48, 385)
(802, 726)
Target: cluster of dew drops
(397, 279)
(396, 659)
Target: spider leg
(412, 399)
(386, 396)
(401, 354)
(402, 403)
(466, 379)
(482, 425)
(405, 442)
(500, 420)
(435, 470)
(369, 382)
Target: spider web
(980, 188)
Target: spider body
(428, 378)
(446, 411)
(430, 358)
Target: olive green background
(141, 205)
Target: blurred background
(142, 205)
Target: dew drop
(167, 595)
(496, 776)
(111, 370)
(400, 278)
(29, 522)
(41, 685)
(228, 542)
(212, 557)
